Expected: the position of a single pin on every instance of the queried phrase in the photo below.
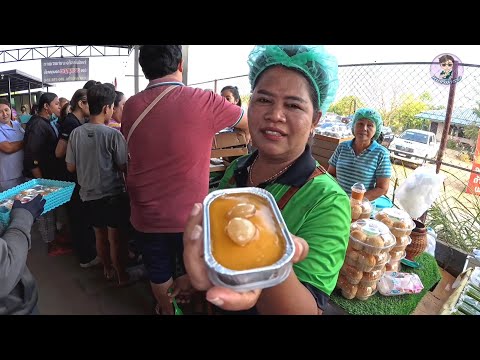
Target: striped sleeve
(384, 168)
(334, 158)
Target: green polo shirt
(319, 213)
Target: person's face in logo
(446, 66)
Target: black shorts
(111, 211)
(162, 255)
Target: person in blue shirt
(11, 148)
(363, 159)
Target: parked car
(338, 131)
(415, 142)
(331, 117)
(321, 128)
(388, 136)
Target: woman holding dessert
(292, 85)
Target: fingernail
(196, 232)
(196, 209)
(216, 301)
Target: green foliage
(456, 218)
(477, 109)
(471, 132)
(403, 117)
(465, 157)
(451, 144)
(346, 106)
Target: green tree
(346, 106)
(403, 117)
(471, 132)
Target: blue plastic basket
(54, 199)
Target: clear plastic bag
(419, 191)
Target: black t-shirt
(40, 143)
(65, 128)
(68, 125)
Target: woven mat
(378, 304)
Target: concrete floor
(67, 289)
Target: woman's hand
(193, 258)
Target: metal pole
(135, 68)
(448, 117)
(9, 91)
(185, 64)
(29, 96)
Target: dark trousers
(83, 236)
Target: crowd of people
(136, 180)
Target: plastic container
(361, 209)
(394, 266)
(397, 255)
(229, 264)
(351, 274)
(371, 237)
(402, 243)
(53, 199)
(371, 278)
(358, 191)
(383, 202)
(365, 292)
(398, 221)
(382, 259)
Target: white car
(422, 144)
(338, 131)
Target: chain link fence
(408, 97)
(414, 96)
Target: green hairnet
(370, 114)
(312, 60)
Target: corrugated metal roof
(19, 81)
(460, 116)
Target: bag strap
(293, 189)
(147, 110)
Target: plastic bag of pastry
(361, 209)
(397, 220)
(398, 283)
(371, 237)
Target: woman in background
(363, 159)
(11, 148)
(41, 137)
(232, 95)
(116, 121)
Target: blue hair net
(320, 68)
(372, 115)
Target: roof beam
(63, 51)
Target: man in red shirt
(169, 161)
